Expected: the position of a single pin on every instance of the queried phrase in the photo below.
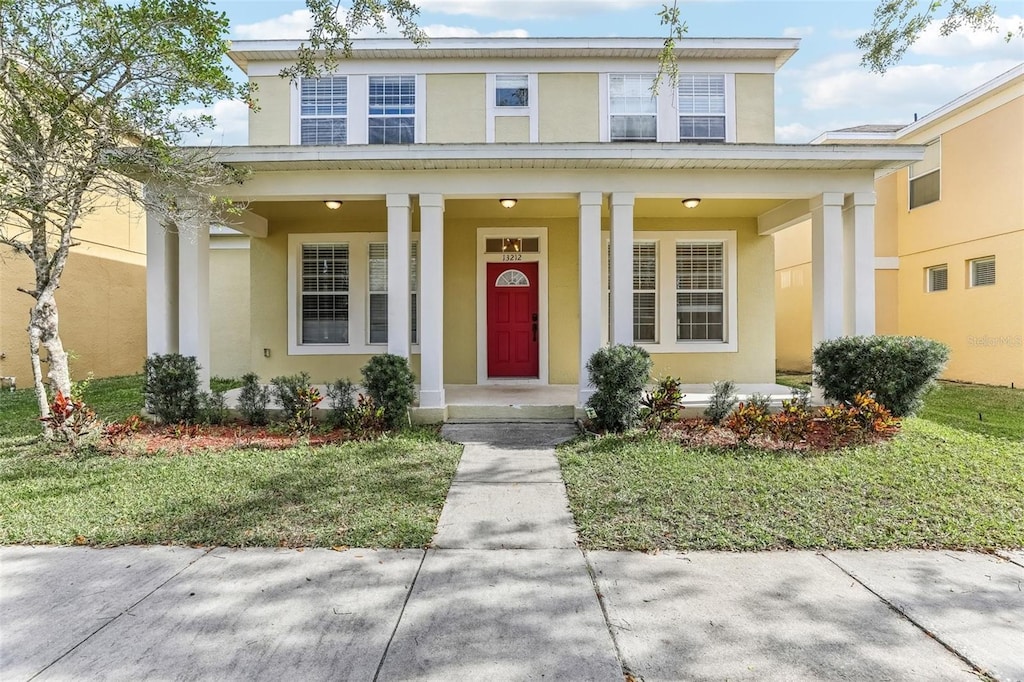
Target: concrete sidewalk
(505, 595)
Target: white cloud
(795, 133)
(296, 25)
(532, 9)
(797, 31)
(292, 25)
(963, 43)
(231, 123)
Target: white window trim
(668, 107)
(667, 291)
(730, 106)
(358, 293)
(937, 169)
(532, 109)
(928, 278)
(359, 108)
(972, 264)
(482, 259)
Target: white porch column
(398, 274)
(621, 281)
(591, 290)
(431, 300)
(194, 295)
(859, 265)
(827, 266)
(161, 285)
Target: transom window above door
(513, 245)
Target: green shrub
(287, 391)
(341, 396)
(253, 400)
(723, 400)
(213, 407)
(663, 404)
(619, 373)
(389, 381)
(304, 419)
(760, 401)
(171, 388)
(899, 370)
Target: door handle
(534, 331)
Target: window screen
(702, 107)
(323, 110)
(938, 278)
(983, 272)
(392, 110)
(632, 108)
(325, 287)
(926, 176)
(512, 90)
(645, 292)
(700, 291)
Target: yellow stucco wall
(101, 300)
(456, 108)
(270, 123)
(230, 316)
(755, 107)
(567, 107)
(511, 128)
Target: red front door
(513, 349)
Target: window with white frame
(377, 304)
(632, 107)
(645, 292)
(392, 110)
(983, 271)
(700, 291)
(325, 294)
(511, 90)
(926, 176)
(937, 278)
(323, 110)
(701, 107)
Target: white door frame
(482, 259)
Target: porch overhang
(576, 156)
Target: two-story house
(497, 209)
(949, 238)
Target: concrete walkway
(504, 594)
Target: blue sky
(822, 88)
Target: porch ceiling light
(333, 204)
(692, 202)
(508, 203)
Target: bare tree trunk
(43, 331)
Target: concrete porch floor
(534, 402)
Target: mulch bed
(179, 439)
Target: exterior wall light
(508, 203)
(691, 203)
(333, 204)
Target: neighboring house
(503, 207)
(949, 238)
(101, 300)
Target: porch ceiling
(581, 156)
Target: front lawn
(385, 493)
(933, 486)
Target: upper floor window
(702, 107)
(937, 278)
(926, 176)
(511, 90)
(632, 107)
(323, 110)
(392, 112)
(983, 271)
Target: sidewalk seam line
(119, 615)
(626, 672)
(984, 674)
(398, 621)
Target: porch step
(468, 414)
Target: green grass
(1001, 409)
(386, 493)
(933, 486)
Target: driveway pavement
(501, 597)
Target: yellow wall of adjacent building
(101, 300)
(230, 315)
(511, 128)
(568, 107)
(270, 122)
(755, 107)
(456, 108)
